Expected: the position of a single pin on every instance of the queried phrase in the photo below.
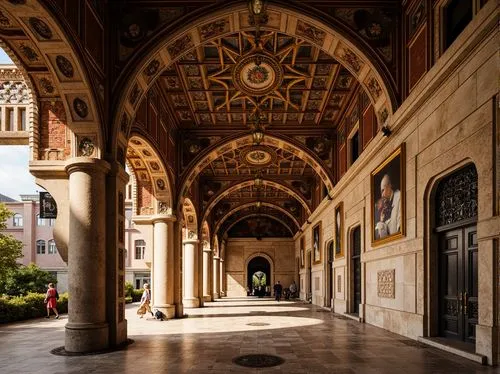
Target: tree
(26, 279)
(10, 248)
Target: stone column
(87, 328)
(178, 267)
(216, 278)
(190, 299)
(116, 181)
(222, 281)
(207, 290)
(163, 265)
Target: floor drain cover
(258, 361)
(60, 351)
(258, 324)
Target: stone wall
(239, 252)
(446, 122)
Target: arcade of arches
(349, 146)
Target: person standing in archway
(278, 288)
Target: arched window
(40, 221)
(52, 247)
(17, 220)
(140, 249)
(40, 247)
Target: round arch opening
(258, 277)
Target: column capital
(209, 250)
(163, 218)
(190, 241)
(217, 258)
(86, 163)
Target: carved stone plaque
(386, 283)
(339, 283)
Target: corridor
(309, 340)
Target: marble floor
(309, 339)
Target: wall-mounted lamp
(386, 130)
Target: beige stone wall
(446, 122)
(239, 252)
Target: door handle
(465, 302)
(459, 302)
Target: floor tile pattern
(309, 339)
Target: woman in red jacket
(51, 300)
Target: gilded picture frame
(316, 243)
(302, 252)
(338, 230)
(388, 198)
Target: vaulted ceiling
(283, 84)
(204, 90)
(226, 78)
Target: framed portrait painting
(388, 198)
(316, 243)
(339, 227)
(302, 252)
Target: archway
(258, 277)
(453, 302)
(329, 275)
(170, 47)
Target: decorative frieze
(386, 283)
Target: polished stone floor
(309, 339)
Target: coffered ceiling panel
(223, 82)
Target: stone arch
(250, 182)
(267, 258)
(205, 235)
(153, 182)
(172, 46)
(63, 79)
(246, 140)
(215, 244)
(259, 215)
(190, 220)
(241, 207)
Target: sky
(4, 59)
(15, 178)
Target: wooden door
(356, 269)
(458, 303)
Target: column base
(216, 296)
(86, 337)
(192, 302)
(179, 310)
(207, 298)
(167, 309)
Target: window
(457, 15)
(52, 247)
(40, 221)
(10, 123)
(355, 147)
(17, 220)
(22, 111)
(140, 248)
(140, 279)
(40, 247)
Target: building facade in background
(40, 247)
